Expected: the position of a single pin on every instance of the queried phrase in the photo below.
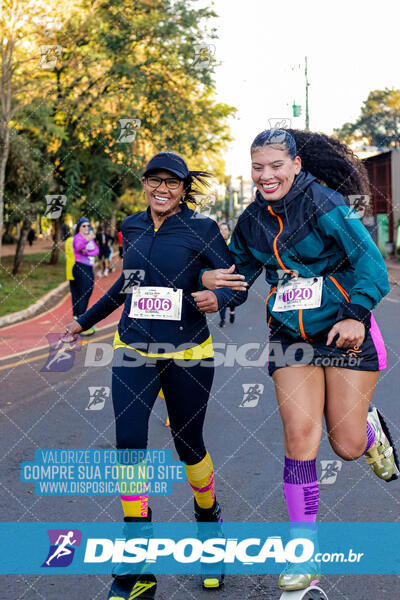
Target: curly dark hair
(325, 157)
(331, 162)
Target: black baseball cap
(80, 222)
(168, 161)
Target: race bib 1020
(299, 293)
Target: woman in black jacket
(164, 250)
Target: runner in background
(119, 237)
(82, 284)
(103, 240)
(69, 265)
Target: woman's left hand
(351, 333)
(206, 301)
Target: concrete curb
(34, 308)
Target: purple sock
(370, 437)
(300, 486)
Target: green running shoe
(88, 332)
(293, 577)
(291, 582)
(382, 457)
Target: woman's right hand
(71, 330)
(219, 278)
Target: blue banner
(173, 548)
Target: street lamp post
(307, 86)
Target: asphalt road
(47, 410)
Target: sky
(352, 46)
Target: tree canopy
(379, 120)
(96, 67)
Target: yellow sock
(133, 505)
(201, 480)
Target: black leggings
(81, 287)
(135, 387)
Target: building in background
(384, 175)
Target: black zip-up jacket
(173, 256)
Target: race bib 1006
(299, 293)
(156, 303)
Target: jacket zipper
(278, 258)
(266, 303)
(340, 288)
(149, 278)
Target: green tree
(29, 178)
(379, 120)
(126, 59)
(24, 26)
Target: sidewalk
(393, 267)
(30, 335)
(39, 245)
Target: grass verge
(36, 278)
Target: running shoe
(293, 577)
(88, 332)
(382, 456)
(222, 324)
(212, 576)
(291, 582)
(232, 317)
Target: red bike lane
(21, 339)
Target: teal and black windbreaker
(310, 232)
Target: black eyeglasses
(170, 182)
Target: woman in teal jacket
(325, 276)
